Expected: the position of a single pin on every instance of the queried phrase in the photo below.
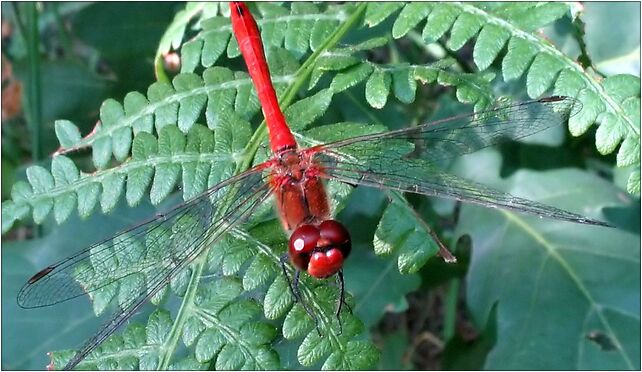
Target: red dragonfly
(405, 160)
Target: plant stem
(159, 69)
(171, 342)
(35, 94)
(34, 101)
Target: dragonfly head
(320, 250)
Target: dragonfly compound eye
(320, 250)
(337, 236)
(302, 242)
(325, 263)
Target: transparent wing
(136, 263)
(462, 134)
(417, 176)
(408, 159)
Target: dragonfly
(403, 160)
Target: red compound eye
(337, 236)
(320, 250)
(302, 241)
(325, 264)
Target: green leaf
(258, 273)
(101, 152)
(175, 32)
(138, 179)
(67, 133)
(190, 364)
(541, 74)
(489, 43)
(191, 55)
(401, 230)
(158, 326)
(170, 142)
(192, 105)
(278, 299)
(63, 170)
(556, 261)
(465, 27)
(230, 358)
(629, 153)
(608, 134)
(159, 94)
(215, 40)
(378, 12)
(351, 77)
(11, 212)
(377, 89)
(40, 179)
(304, 112)
(621, 87)
(112, 186)
(591, 107)
(532, 17)
(297, 323)
(321, 31)
(410, 16)
(297, 35)
(439, 21)
(313, 348)
(518, 58)
(404, 85)
(633, 183)
(209, 344)
(135, 102)
(359, 355)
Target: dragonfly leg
(342, 298)
(294, 288)
(305, 306)
(296, 295)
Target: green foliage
(193, 131)
(541, 254)
(411, 237)
(614, 102)
(200, 159)
(173, 36)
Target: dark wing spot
(552, 99)
(40, 274)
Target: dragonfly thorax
(300, 193)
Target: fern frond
(263, 271)
(402, 232)
(219, 93)
(302, 27)
(136, 348)
(222, 327)
(175, 32)
(224, 331)
(201, 158)
(613, 103)
(401, 78)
